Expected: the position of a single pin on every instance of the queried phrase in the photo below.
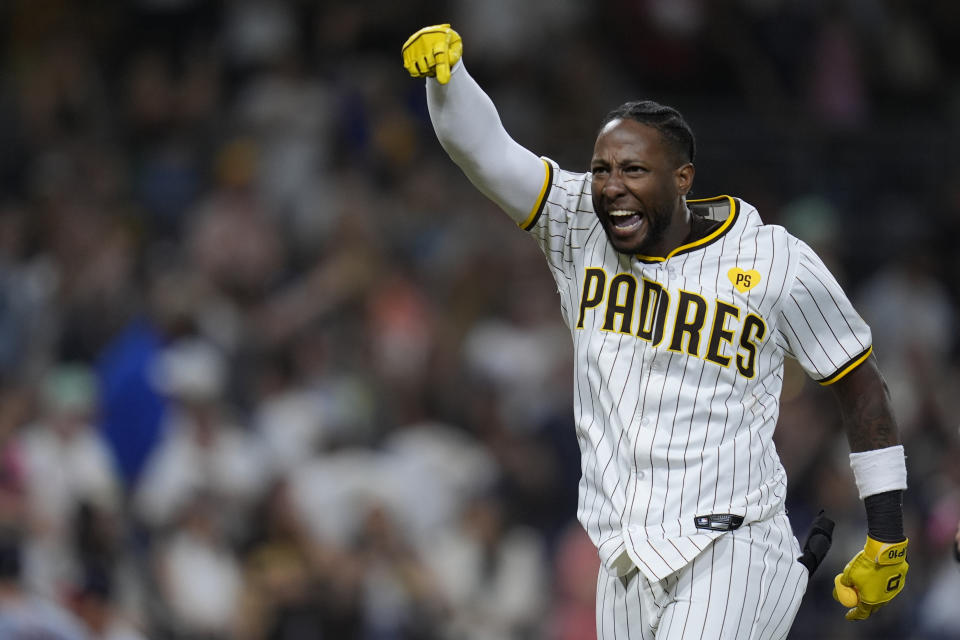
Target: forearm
(470, 131)
(876, 457)
(875, 575)
(865, 409)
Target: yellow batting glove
(872, 578)
(432, 51)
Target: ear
(683, 178)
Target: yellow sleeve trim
(847, 369)
(527, 224)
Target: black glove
(817, 543)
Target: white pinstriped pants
(747, 585)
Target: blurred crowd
(270, 368)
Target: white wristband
(879, 470)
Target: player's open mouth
(625, 222)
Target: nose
(613, 186)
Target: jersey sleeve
(562, 213)
(818, 324)
(469, 129)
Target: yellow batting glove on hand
(432, 51)
(872, 578)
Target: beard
(657, 223)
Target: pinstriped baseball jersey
(679, 366)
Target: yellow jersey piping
(531, 220)
(847, 368)
(704, 241)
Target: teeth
(619, 213)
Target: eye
(634, 169)
(600, 170)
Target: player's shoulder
(569, 191)
(567, 181)
(775, 244)
(752, 238)
(753, 224)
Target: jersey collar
(734, 210)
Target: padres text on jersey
(651, 311)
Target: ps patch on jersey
(743, 280)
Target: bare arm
(865, 408)
(868, 421)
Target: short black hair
(667, 120)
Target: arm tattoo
(865, 408)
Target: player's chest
(710, 307)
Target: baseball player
(681, 313)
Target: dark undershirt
(700, 227)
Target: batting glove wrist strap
(432, 52)
(872, 578)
